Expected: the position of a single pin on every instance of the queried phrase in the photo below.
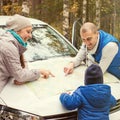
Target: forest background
(61, 14)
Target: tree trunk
(1, 4)
(114, 17)
(98, 13)
(34, 10)
(84, 11)
(66, 18)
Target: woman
(13, 45)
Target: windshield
(47, 43)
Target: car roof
(3, 20)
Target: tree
(25, 9)
(84, 11)
(66, 18)
(114, 17)
(1, 4)
(98, 13)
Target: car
(40, 99)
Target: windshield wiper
(37, 59)
(55, 56)
(61, 55)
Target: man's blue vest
(104, 39)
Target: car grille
(7, 113)
(73, 115)
(66, 116)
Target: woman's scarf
(18, 38)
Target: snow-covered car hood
(41, 97)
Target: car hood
(41, 97)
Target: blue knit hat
(93, 75)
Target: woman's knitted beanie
(17, 22)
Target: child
(94, 100)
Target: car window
(47, 43)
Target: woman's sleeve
(12, 62)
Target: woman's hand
(18, 83)
(46, 73)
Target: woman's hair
(22, 61)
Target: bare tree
(84, 11)
(1, 4)
(25, 8)
(114, 17)
(98, 13)
(66, 18)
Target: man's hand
(69, 69)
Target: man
(98, 47)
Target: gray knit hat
(17, 22)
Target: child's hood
(97, 95)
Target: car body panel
(41, 97)
(115, 116)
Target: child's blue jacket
(92, 101)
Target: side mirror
(76, 39)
